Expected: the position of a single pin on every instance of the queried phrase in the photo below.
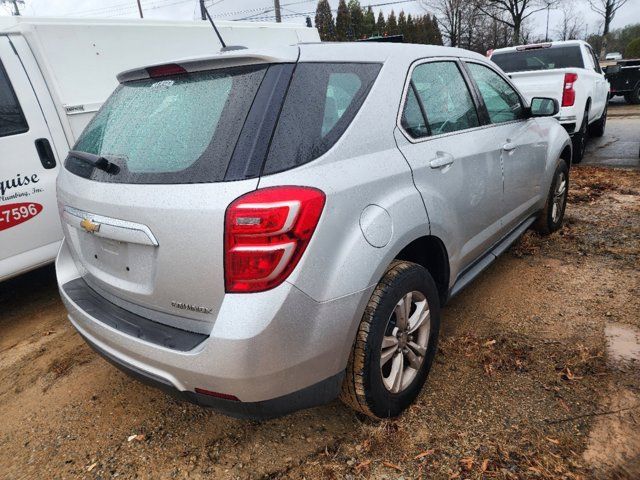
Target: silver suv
(265, 231)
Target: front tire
(552, 214)
(395, 344)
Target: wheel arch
(431, 253)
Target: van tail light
(568, 93)
(266, 233)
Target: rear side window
(412, 119)
(446, 99)
(12, 121)
(502, 101)
(545, 58)
(322, 100)
(175, 129)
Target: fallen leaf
(455, 475)
(467, 463)
(362, 465)
(485, 465)
(130, 438)
(489, 343)
(391, 465)
(553, 440)
(534, 469)
(92, 466)
(424, 454)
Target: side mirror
(611, 69)
(544, 107)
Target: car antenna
(224, 45)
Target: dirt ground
(537, 376)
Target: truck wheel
(395, 344)
(597, 128)
(552, 214)
(580, 139)
(633, 97)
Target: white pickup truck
(569, 72)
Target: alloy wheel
(559, 197)
(404, 345)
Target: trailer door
(30, 229)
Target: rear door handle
(442, 160)
(509, 147)
(45, 153)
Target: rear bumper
(317, 394)
(276, 351)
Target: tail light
(164, 70)
(568, 93)
(266, 233)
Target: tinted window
(539, 59)
(175, 129)
(322, 100)
(12, 120)
(412, 119)
(445, 96)
(501, 100)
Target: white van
(54, 75)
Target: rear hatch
(144, 191)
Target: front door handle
(442, 160)
(45, 153)
(509, 147)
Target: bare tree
(570, 27)
(14, 5)
(607, 9)
(452, 16)
(512, 12)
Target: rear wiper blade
(97, 161)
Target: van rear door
(30, 230)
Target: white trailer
(54, 75)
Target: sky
(292, 10)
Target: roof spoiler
(229, 57)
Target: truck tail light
(266, 233)
(568, 93)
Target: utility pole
(546, 35)
(140, 9)
(276, 7)
(203, 13)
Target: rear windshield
(322, 100)
(539, 59)
(174, 129)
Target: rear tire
(382, 380)
(552, 214)
(597, 128)
(633, 97)
(580, 139)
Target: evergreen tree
(324, 21)
(357, 18)
(437, 34)
(402, 25)
(411, 30)
(392, 24)
(381, 25)
(343, 22)
(369, 23)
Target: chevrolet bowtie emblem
(89, 226)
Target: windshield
(545, 58)
(174, 129)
